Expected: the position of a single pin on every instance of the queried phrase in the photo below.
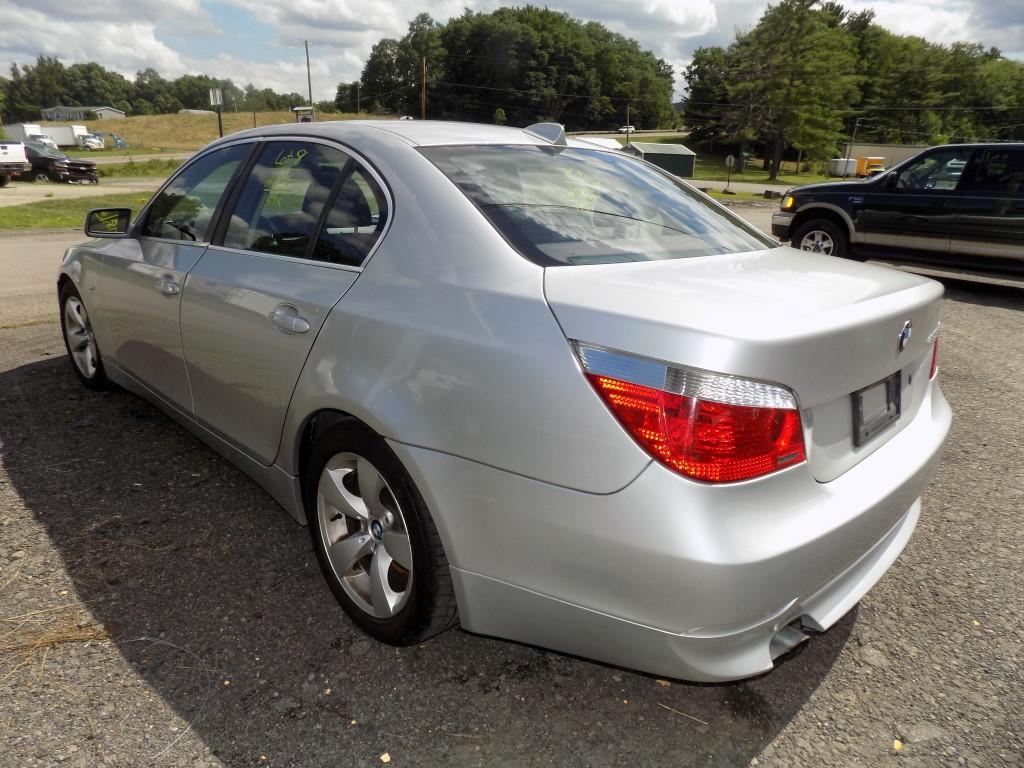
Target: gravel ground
(157, 608)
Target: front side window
(283, 197)
(940, 170)
(999, 172)
(559, 206)
(184, 209)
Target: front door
(912, 209)
(254, 305)
(142, 276)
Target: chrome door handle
(167, 285)
(287, 318)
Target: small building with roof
(674, 158)
(82, 113)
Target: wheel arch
(824, 211)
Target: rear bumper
(781, 224)
(670, 576)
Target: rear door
(912, 209)
(142, 276)
(990, 219)
(289, 247)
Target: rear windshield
(559, 205)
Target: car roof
(423, 133)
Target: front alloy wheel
(79, 339)
(818, 241)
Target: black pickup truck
(48, 164)
(960, 205)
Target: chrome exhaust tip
(786, 639)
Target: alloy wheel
(364, 533)
(81, 340)
(817, 241)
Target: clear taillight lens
(934, 370)
(704, 425)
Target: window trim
(136, 230)
(355, 160)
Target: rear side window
(999, 171)
(355, 221)
(559, 206)
(279, 208)
(184, 209)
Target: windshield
(560, 206)
(45, 151)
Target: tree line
(49, 83)
(516, 66)
(811, 74)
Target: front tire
(822, 236)
(41, 178)
(374, 538)
(79, 339)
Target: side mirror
(891, 180)
(108, 222)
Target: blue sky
(259, 42)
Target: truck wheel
(821, 236)
(4, 181)
(41, 178)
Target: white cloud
(126, 36)
(126, 47)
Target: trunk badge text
(905, 336)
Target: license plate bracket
(876, 408)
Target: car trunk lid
(823, 327)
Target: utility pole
(627, 124)
(849, 147)
(423, 90)
(358, 84)
(309, 79)
(252, 103)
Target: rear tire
(822, 236)
(4, 181)
(374, 538)
(79, 340)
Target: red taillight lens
(935, 361)
(703, 439)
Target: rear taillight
(704, 425)
(933, 371)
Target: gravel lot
(157, 608)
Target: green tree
(791, 78)
(380, 78)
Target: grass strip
(155, 167)
(56, 214)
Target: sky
(262, 42)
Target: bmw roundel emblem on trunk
(905, 336)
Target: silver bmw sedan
(527, 385)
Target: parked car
(627, 129)
(48, 164)
(960, 205)
(519, 383)
(13, 160)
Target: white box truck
(67, 135)
(29, 132)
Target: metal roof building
(81, 113)
(674, 158)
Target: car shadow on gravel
(211, 593)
